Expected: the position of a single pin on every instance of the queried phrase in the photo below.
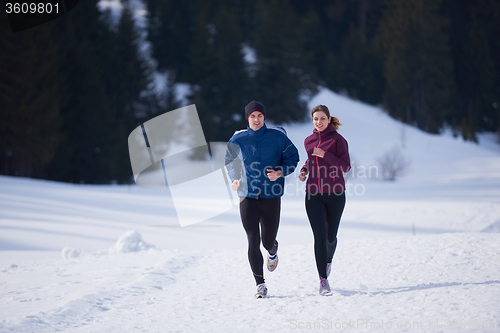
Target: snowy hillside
(418, 254)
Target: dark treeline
(73, 89)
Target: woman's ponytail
(335, 122)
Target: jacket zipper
(317, 164)
(333, 172)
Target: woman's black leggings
(266, 212)
(324, 211)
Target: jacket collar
(328, 130)
(260, 132)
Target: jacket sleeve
(340, 158)
(233, 161)
(289, 158)
(305, 168)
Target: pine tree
(29, 112)
(357, 69)
(170, 30)
(418, 65)
(217, 73)
(128, 76)
(357, 66)
(282, 82)
(86, 108)
(474, 67)
(313, 38)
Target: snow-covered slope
(421, 253)
(440, 160)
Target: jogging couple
(258, 159)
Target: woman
(328, 159)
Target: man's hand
(235, 185)
(302, 176)
(273, 175)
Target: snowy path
(414, 281)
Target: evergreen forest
(72, 90)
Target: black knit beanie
(255, 106)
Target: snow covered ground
(419, 254)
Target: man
(257, 160)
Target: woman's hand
(273, 175)
(318, 152)
(235, 185)
(302, 176)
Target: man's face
(256, 120)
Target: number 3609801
(31, 8)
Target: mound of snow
(495, 227)
(9, 267)
(131, 241)
(69, 252)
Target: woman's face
(320, 120)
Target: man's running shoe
(272, 262)
(261, 291)
(272, 259)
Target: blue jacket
(266, 148)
